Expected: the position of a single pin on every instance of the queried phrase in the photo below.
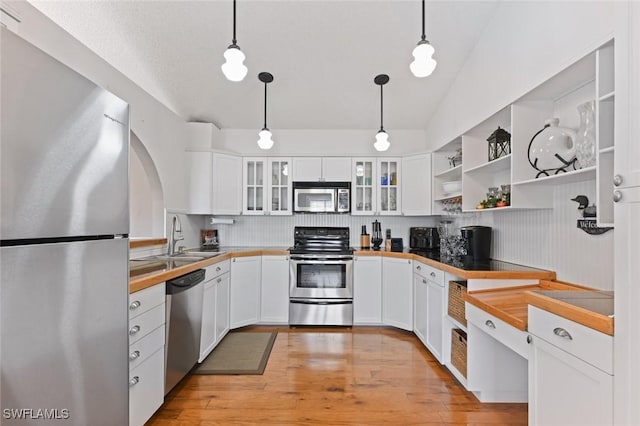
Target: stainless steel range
(321, 277)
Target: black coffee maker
(477, 242)
(424, 238)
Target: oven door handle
(322, 301)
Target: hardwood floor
(337, 376)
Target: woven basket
(459, 350)
(455, 309)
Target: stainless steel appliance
(184, 323)
(321, 197)
(321, 277)
(64, 244)
(477, 241)
(424, 238)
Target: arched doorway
(146, 199)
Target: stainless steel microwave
(321, 197)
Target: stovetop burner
(321, 240)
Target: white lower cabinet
(420, 307)
(435, 314)
(570, 372)
(274, 297)
(245, 290)
(367, 290)
(397, 293)
(215, 307)
(146, 353)
(428, 307)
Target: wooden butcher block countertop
(143, 274)
(490, 269)
(511, 304)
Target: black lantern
(499, 144)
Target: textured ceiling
(323, 55)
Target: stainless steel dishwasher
(184, 321)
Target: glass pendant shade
(382, 141)
(234, 68)
(265, 141)
(423, 63)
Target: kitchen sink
(187, 256)
(205, 254)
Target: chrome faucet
(176, 227)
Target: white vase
(552, 150)
(586, 138)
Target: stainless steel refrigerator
(64, 244)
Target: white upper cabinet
(227, 184)
(214, 183)
(388, 186)
(416, 185)
(266, 186)
(200, 181)
(322, 169)
(253, 184)
(363, 186)
(279, 186)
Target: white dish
(452, 187)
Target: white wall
(159, 129)
(322, 142)
(523, 45)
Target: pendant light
(233, 68)
(265, 141)
(423, 63)
(382, 139)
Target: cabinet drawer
(589, 345)
(429, 272)
(144, 324)
(511, 337)
(145, 347)
(217, 269)
(144, 300)
(146, 389)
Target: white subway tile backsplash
(277, 231)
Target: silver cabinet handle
(489, 324)
(134, 355)
(529, 339)
(617, 196)
(424, 281)
(561, 332)
(134, 380)
(133, 330)
(134, 305)
(418, 267)
(218, 269)
(409, 262)
(433, 274)
(617, 180)
(219, 280)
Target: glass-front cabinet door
(389, 172)
(280, 197)
(363, 189)
(253, 182)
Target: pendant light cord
(381, 103)
(265, 105)
(424, 36)
(234, 22)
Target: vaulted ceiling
(323, 55)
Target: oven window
(322, 276)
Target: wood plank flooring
(336, 376)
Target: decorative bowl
(452, 187)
